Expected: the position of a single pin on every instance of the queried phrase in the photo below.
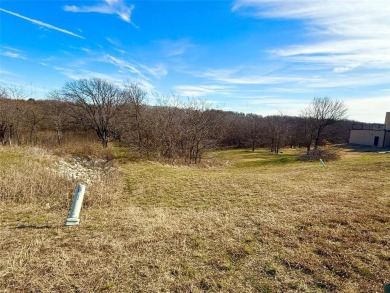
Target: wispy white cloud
(234, 76)
(114, 42)
(264, 80)
(217, 73)
(249, 81)
(11, 49)
(116, 78)
(77, 73)
(5, 72)
(147, 86)
(40, 23)
(13, 55)
(123, 64)
(203, 90)
(117, 7)
(344, 34)
(121, 51)
(288, 90)
(345, 68)
(156, 71)
(140, 70)
(275, 105)
(171, 48)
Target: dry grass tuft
(31, 183)
(35, 178)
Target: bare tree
(12, 112)
(32, 119)
(276, 128)
(4, 114)
(168, 130)
(235, 129)
(5, 120)
(307, 129)
(95, 103)
(319, 115)
(199, 123)
(58, 115)
(254, 122)
(136, 98)
(182, 130)
(3, 91)
(18, 113)
(13, 91)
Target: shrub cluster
(315, 155)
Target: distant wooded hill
(173, 129)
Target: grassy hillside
(242, 222)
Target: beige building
(377, 135)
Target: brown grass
(33, 176)
(257, 222)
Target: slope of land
(249, 222)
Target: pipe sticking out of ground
(74, 214)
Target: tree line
(174, 128)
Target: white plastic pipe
(74, 214)
(322, 163)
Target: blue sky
(258, 56)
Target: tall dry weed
(30, 182)
(36, 179)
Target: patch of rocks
(82, 169)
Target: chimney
(387, 121)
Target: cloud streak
(357, 33)
(117, 7)
(203, 90)
(310, 81)
(123, 64)
(171, 48)
(234, 76)
(118, 79)
(40, 23)
(13, 55)
(138, 69)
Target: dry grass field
(242, 222)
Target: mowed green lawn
(242, 222)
